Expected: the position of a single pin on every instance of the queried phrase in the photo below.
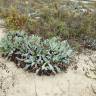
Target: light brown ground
(16, 82)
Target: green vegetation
(32, 53)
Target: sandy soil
(16, 82)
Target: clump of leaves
(32, 53)
(89, 42)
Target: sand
(17, 82)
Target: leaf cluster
(35, 54)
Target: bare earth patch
(16, 82)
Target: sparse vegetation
(51, 18)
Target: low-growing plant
(35, 54)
